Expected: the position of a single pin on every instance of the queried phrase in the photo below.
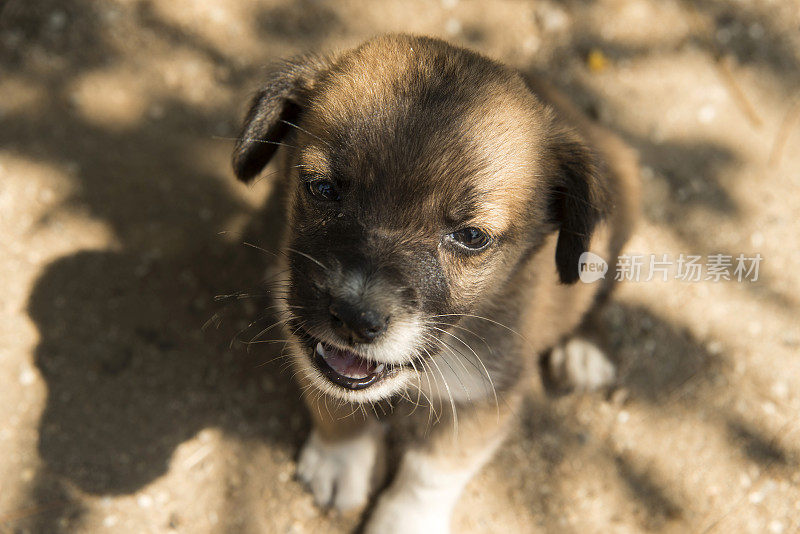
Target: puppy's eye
(471, 238)
(323, 189)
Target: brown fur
(421, 139)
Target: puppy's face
(422, 177)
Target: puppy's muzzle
(355, 323)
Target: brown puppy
(438, 208)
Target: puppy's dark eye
(323, 189)
(471, 238)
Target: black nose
(357, 324)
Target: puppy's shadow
(130, 373)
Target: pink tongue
(347, 363)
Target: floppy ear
(280, 101)
(578, 201)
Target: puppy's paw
(581, 365)
(398, 515)
(340, 474)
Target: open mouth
(346, 368)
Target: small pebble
(790, 340)
(453, 26)
(144, 501)
(597, 61)
(775, 527)
(112, 14)
(58, 19)
(707, 114)
(756, 31)
(27, 377)
(156, 112)
(551, 17)
(46, 196)
(780, 390)
(532, 44)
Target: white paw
(582, 365)
(422, 497)
(399, 515)
(340, 474)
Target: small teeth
(320, 349)
(379, 368)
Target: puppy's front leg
(342, 459)
(433, 473)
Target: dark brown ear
(578, 201)
(279, 102)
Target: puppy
(438, 206)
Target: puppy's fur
(438, 206)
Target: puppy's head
(422, 177)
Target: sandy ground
(120, 222)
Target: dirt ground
(120, 222)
